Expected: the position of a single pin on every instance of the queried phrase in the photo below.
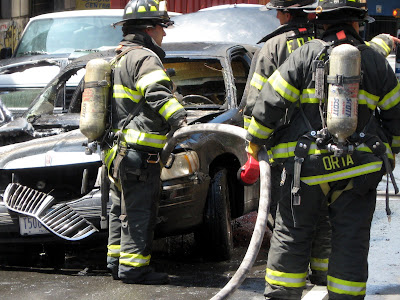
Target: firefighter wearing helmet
(292, 34)
(144, 111)
(341, 137)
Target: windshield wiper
(36, 52)
(86, 50)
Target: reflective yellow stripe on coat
(296, 280)
(151, 78)
(283, 88)
(258, 81)
(286, 150)
(246, 122)
(340, 286)
(365, 98)
(170, 108)
(120, 91)
(134, 260)
(258, 130)
(343, 174)
(132, 136)
(380, 42)
(391, 99)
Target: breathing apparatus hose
(264, 202)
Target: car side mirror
(5, 53)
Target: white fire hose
(264, 203)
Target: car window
(64, 35)
(240, 70)
(19, 99)
(198, 82)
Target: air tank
(95, 99)
(342, 109)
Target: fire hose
(264, 202)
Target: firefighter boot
(113, 267)
(318, 278)
(144, 275)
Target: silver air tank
(95, 99)
(344, 82)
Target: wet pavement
(84, 276)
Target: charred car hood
(61, 149)
(58, 150)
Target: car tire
(216, 234)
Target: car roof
(230, 23)
(81, 13)
(86, 13)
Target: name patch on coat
(333, 162)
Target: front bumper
(181, 211)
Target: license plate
(31, 226)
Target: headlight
(185, 163)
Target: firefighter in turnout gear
(144, 111)
(292, 34)
(323, 164)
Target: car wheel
(216, 235)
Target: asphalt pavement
(193, 278)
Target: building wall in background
(93, 4)
(14, 15)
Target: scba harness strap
(300, 152)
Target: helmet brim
(322, 19)
(270, 6)
(119, 23)
(313, 9)
(162, 23)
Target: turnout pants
(129, 247)
(321, 241)
(350, 217)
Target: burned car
(50, 185)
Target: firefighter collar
(285, 28)
(143, 39)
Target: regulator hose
(264, 202)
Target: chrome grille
(59, 219)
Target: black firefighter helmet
(146, 13)
(335, 11)
(287, 4)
